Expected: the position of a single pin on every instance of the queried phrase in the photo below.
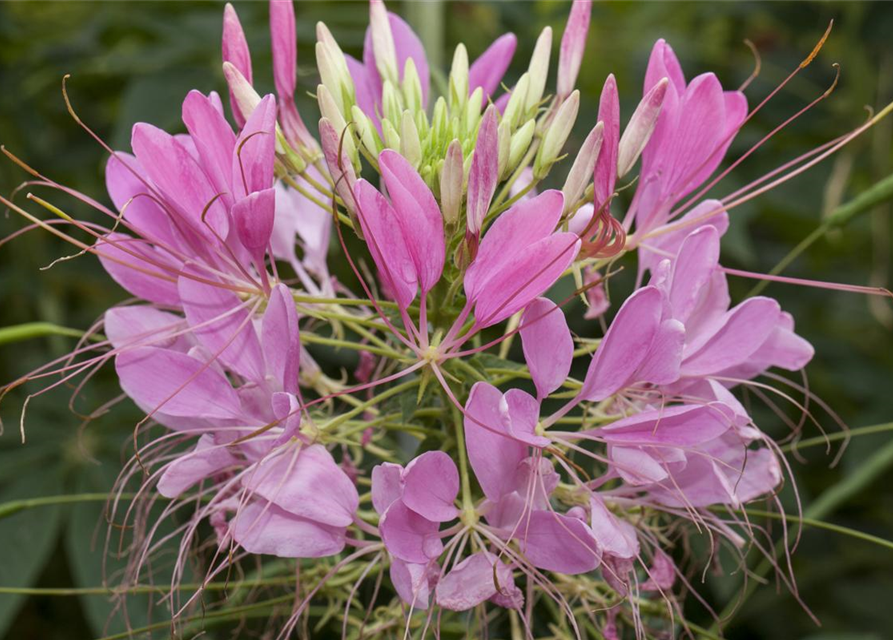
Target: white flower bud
(452, 181)
(580, 175)
(640, 128)
(520, 143)
(459, 78)
(410, 145)
(504, 133)
(473, 111)
(383, 41)
(391, 137)
(411, 86)
(556, 135)
(539, 69)
(516, 107)
(330, 111)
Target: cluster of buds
(224, 236)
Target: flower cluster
(566, 495)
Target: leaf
(27, 538)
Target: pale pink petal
(213, 138)
(494, 458)
(176, 384)
(625, 346)
(555, 542)
(387, 485)
(477, 578)
(281, 340)
(139, 268)
(409, 536)
(142, 324)
(306, 482)
(411, 582)
(254, 155)
(264, 528)
(206, 459)
(573, 44)
(222, 324)
(606, 165)
(431, 485)
(236, 52)
(547, 344)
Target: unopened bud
(539, 69)
(391, 102)
(580, 175)
(556, 135)
(235, 52)
(366, 131)
(243, 94)
(452, 179)
(520, 143)
(573, 44)
(640, 128)
(516, 107)
(411, 86)
(340, 167)
(505, 145)
(329, 110)
(440, 122)
(473, 110)
(390, 136)
(459, 78)
(410, 144)
(383, 41)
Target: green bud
(473, 111)
(440, 122)
(412, 87)
(459, 78)
(516, 107)
(520, 143)
(556, 135)
(366, 131)
(391, 102)
(391, 137)
(504, 133)
(410, 144)
(539, 69)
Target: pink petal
(682, 426)
(493, 457)
(431, 485)
(214, 140)
(406, 45)
(206, 459)
(134, 264)
(613, 536)
(386, 243)
(176, 384)
(264, 528)
(555, 542)
(548, 345)
(409, 536)
(411, 582)
(255, 151)
(663, 64)
(307, 483)
(281, 339)
(664, 360)
(254, 216)
(418, 215)
(181, 180)
(693, 268)
(738, 335)
(477, 578)
(526, 276)
(387, 485)
(511, 234)
(625, 346)
(141, 324)
(129, 192)
(222, 323)
(490, 67)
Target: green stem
(14, 506)
(467, 501)
(31, 330)
(875, 195)
(840, 435)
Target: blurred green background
(135, 61)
